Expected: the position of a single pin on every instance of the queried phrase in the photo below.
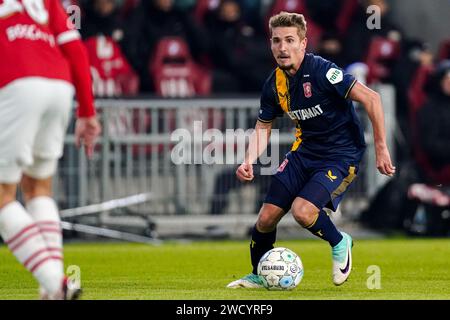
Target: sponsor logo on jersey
(335, 75)
(29, 32)
(305, 114)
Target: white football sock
(25, 241)
(44, 212)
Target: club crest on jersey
(307, 89)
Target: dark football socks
(260, 244)
(324, 228)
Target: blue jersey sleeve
(334, 79)
(270, 108)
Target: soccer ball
(280, 269)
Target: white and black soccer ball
(280, 269)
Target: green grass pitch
(409, 269)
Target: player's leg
(315, 220)
(21, 107)
(278, 201)
(263, 239)
(36, 183)
(326, 188)
(43, 210)
(23, 238)
(7, 193)
(264, 232)
(319, 223)
(276, 204)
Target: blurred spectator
(358, 36)
(102, 17)
(415, 56)
(433, 119)
(359, 70)
(253, 15)
(112, 75)
(417, 95)
(67, 3)
(332, 15)
(127, 7)
(432, 154)
(444, 50)
(324, 12)
(237, 50)
(103, 32)
(185, 5)
(175, 73)
(203, 8)
(330, 48)
(151, 21)
(391, 208)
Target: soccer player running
(316, 94)
(42, 61)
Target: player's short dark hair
(289, 19)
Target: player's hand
(384, 163)
(245, 172)
(86, 133)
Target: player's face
(287, 48)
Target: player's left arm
(69, 41)
(371, 101)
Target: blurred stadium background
(160, 65)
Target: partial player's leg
(320, 224)
(44, 212)
(22, 104)
(277, 203)
(36, 183)
(23, 238)
(263, 239)
(7, 193)
(326, 188)
(315, 220)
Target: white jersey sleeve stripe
(67, 36)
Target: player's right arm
(259, 139)
(69, 41)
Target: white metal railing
(133, 157)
